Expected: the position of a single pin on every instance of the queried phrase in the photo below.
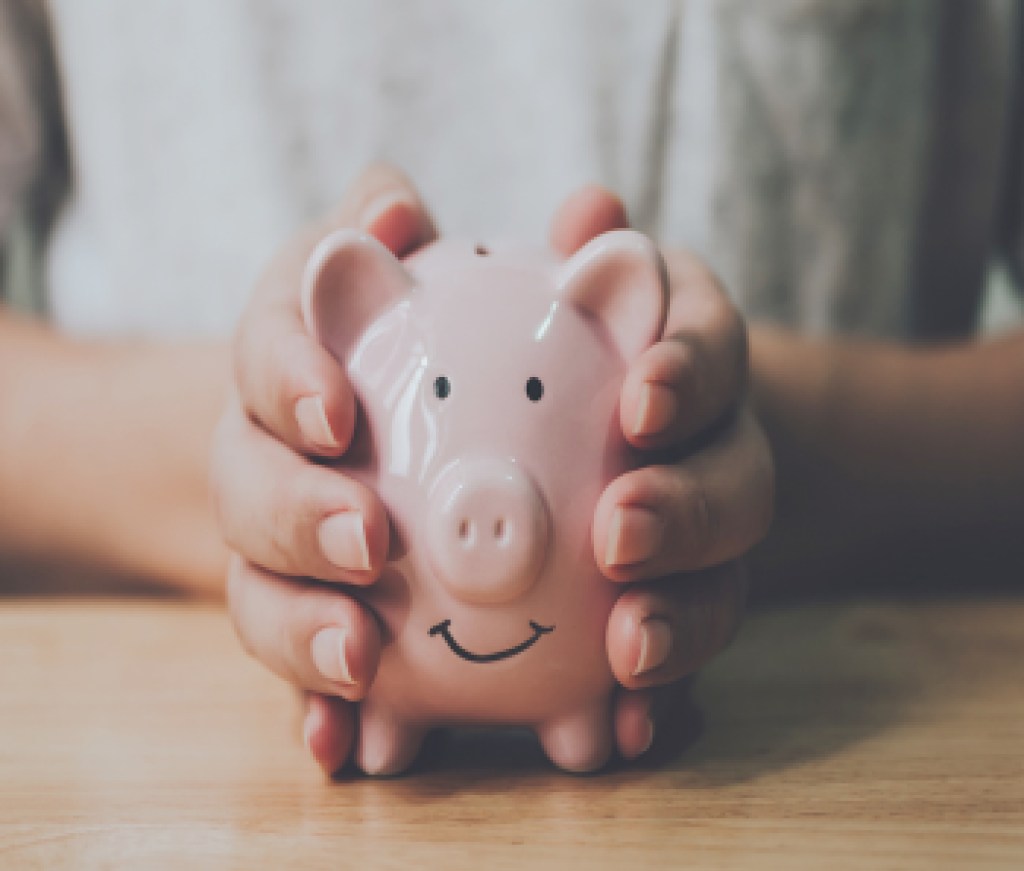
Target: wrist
(103, 458)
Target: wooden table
(867, 735)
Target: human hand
(707, 324)
(674, 529)
(287, 517)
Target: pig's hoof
(386, 746)
(578, 742)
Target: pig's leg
(386, 745)
(580, 741)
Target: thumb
(589, 212)
(384, 202)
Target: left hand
(675, 529)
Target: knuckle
(687, 367)
(327, 605)
(216, 473)
(286, 511)
(725, 335)
(284, 362)
(304, 607)
(379, 175)
(701, 524)
(246, 351)
(295, 635)
(220, 476)
(686, 268)
(376, 180)
(236, 593)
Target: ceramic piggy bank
(488, 383)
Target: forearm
(103, 451)
(877, 441)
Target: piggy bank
(488, 383)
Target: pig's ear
(619, 280)
(349, 280)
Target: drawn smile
(444, 630)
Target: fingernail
(377, 207)
(343, 540)
(655, 644)
(650, 736)
(330, 656)
(656, 409)
(634, 535)
(312, 419)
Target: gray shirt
(846, 165)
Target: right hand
(288, 518)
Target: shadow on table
(797, 685)
(470, 756)
(800, 685)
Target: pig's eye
(534, 389)
(442, 387)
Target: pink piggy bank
(488, 383)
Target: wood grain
(866, 735)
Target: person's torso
(798, 144)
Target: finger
(664, 631)
(697, 372)
(587, 213)
(384, 202)
(316, 637)
(287, 380)
(633, 722)
(292, 516)
(329, 731)
(700, 511)
(658, 717)
(291, 384)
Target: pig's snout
(488, 531)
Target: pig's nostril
(499, 530)
(466, 532)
